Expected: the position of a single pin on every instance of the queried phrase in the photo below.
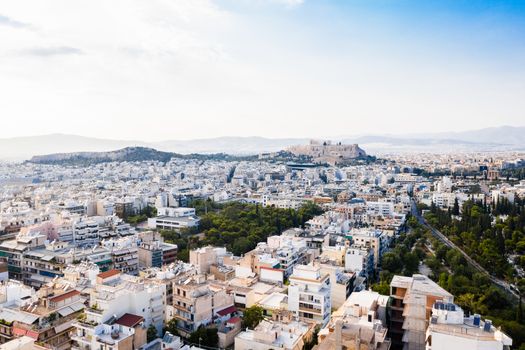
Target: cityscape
(262, 175)
(319, 246)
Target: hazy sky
(173, 69)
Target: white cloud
(290, 3)
(160, 69)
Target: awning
(68, 310)
(9, 315)
(28, 318)
(62, 327)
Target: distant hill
(128, 154)
(489, 139)
(23, 148)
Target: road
(499, 282)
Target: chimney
(338, 335)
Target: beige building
(197, 302)
(48, 317)
(341, 283)
(358, 324)
(411, 308)
(203, 258)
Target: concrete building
(48, 317)
(341, 283)
(449, 328)
(174, 219)
(275, 335)
(113, 296)
(203, 258)
(13, 250)
(360, 261)
(198, 302)
(359, 323)
(128, 332)
(154, 252)
(411, 308)
(309, 294)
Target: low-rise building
(275, 335)
(309, 294)
(449, 328)
(411, 307)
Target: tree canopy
(252, 316)
(238, 226)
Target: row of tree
(472, 290)
(490, 233)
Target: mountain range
(488, 139)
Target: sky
(182, 69)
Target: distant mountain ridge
(488, 139)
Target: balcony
(94, 311)
(82, 323)
(310, 310)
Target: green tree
(205, 336)
(151, 333)
(382, 288)
(455, 208)
(171, 326)
(391, 262)
(252, 316)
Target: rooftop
(129, 320)
(108, 274)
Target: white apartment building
(384, 209)
(283, 202)
(341, 283)
(360, 261)
(124, 254)
(309, 294)
(274, 335)
(113, 296)
(450, 329)
(85, 232)
(174, 218)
